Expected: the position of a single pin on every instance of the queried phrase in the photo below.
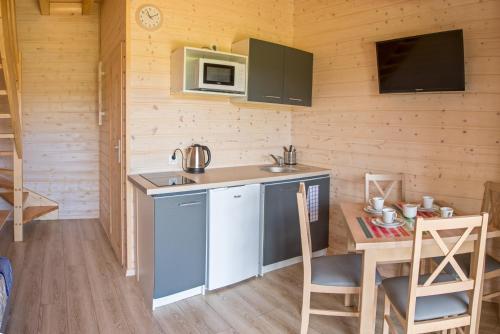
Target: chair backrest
(433, 227)
(491, 202)
(305, 231)
(378, 179)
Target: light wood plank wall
(59, 58)
(448, 144)
(157, 122)
(112, 34)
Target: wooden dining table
(379, 245)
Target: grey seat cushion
(428, 307)
(463, 261)
(338, 270)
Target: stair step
(6, 153)
(34, 212)
(5, 183)
(6, 135)
(6, 171)
(3, 92)
(9, 196)
(4, 214)
(5, 116)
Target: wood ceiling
(68, 7)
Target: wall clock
(149, 17)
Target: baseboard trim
(158, 302)
(289, 262)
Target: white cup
(377, 203)
(410, 210)
(446, 212)
(427, 202)
(389, 215)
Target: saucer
(396, 223)
(371, 210)
(433, 209)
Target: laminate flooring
(67, 280)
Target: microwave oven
(219, 76)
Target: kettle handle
(205, 148)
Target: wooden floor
(68, 281)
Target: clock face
(149, 17)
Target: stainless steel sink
(279, 169)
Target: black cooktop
(167, 179)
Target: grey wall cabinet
(276, 73)
(265, 81)
(297, 84)
(180, 243)
(281, 222)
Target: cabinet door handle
(273, 97)
(189, 203)
(237, 196)
(295, 99)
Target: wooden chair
(375, 179)
(491, 205)
(438, 302)
(394, 179)
(336, 274)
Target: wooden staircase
(25, 205)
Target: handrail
(9, 52)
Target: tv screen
(425, 63)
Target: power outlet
(172, 160)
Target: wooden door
(265, 79)
(116, 174)
(297, 85)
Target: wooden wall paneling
(448, 144)
(60, 56)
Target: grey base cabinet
(180, 243)
(281, 235)
(171, 244)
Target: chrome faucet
(278, 159)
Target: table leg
(368, 307)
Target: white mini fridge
(233, 235)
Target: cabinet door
(298, 77)
(265, 77)
(180, 243)
(281, 220)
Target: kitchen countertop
(226, 177)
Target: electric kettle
(196, 161)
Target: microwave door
(218, 74)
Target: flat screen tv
(425, 63)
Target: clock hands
(149, 14)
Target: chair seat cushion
(428, 307)
(338, 270)
(463, 261)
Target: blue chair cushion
(428, 307)
(338, 270)
(463, 261)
